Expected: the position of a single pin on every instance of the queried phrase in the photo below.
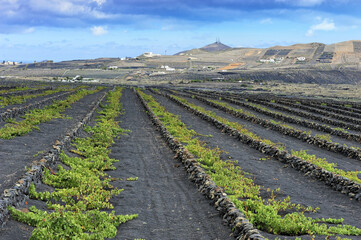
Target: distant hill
(213, 47)
(309, 55)
(220, 57)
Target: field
(107, 162)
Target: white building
(9, 63)
(150, 54)
(167, 68)
(272, 60)
(113, 67)
(301, 59)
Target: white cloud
(266, 21)
(29, 30)
(100, 2)
(79, 8)
(99, 30)
(325, 25)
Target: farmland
(101, 162)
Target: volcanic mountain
(213, 47)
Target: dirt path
(168, 204)
(273, 174)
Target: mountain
(215, 47)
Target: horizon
(38, 30)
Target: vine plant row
(81, 193)
(264, 213)
(37, 116)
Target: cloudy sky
(79, 29)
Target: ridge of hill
(214, 47)
(309, 55)
(220, 57)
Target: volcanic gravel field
(170, 204)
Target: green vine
(10, 100)
(332, 167)
(83, 190)
(37, 116)
(265, 214)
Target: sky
(36, 30)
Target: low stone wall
(17, 195)
(242, 228)
(321, 143)
(310, 105)
(18, 93)
(351, 122)
(11, 113)
(336, 182)
(287, 109)
(289, 119)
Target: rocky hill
(215, 47)
(312, 55)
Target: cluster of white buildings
(167, 68)
(272, 60)
(9, 63)
(280, 59)
(150, 54)
(113, 67)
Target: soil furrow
(354, 135)
(272, 173)
(30, 101)
(168, 204)
(294, 112)
(342, 162)
(19, 152)
(314, 111)
(336, 139)
(289, 110)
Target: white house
(113, 67)
(10, 63)
(150, 54)
(301, 59)
(272, 60)
(167, 68)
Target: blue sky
(80, 29)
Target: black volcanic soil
(342, 162)
(168, 204)
(29, 101)
(19, 152)
(274, 174)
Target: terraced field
(87, 162)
